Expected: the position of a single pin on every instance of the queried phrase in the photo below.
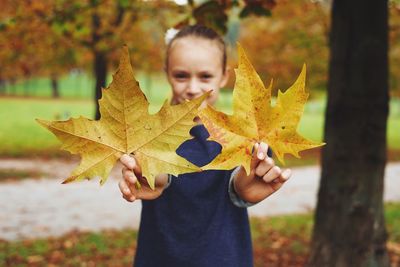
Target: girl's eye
(206, 76)
(180, 76)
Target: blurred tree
(394, 44)
(214, 13)
(95, 25)
(278, 46)
(349, 224)
(55, 36)
(29, 47)
(103, 26)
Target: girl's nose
(193, 88)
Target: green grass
(81, 85)
(73, 85)
(392, 217)
(285, 224)
(277, 241)
(20, 135)
(303, 223)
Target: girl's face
(195, 67)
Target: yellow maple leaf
(127, 127)
(255, 120)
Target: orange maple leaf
(255, 120)
(127, 127)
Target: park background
(55, 55)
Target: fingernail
(131, 165)
(264, 146)
(255, 148)
(287, 173)
(276, 180)
(260, 155)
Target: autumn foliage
(127, 127)
(254, 119)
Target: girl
(199, 219)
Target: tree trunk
(54, 86)
(2, 87)
(100, 73)
(100, 59)
(349, 224)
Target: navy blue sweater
(194, 223)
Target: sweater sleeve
(236, 200)
(168, 181)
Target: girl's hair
(199, 31)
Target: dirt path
(43, 207)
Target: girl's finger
(254, 159)
(272, 174)
(127, 161)
(262, 151)
(259, 154)
(285, 175)
(130, 177)
(264, 166)
(124, 188)
(278, 182)
(130, 163)
(124, 169)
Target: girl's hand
(264, 179)
(131, 174)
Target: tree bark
(2, 87)
(100, 60)
(100, 73)
(349, 224)
(54, 86)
